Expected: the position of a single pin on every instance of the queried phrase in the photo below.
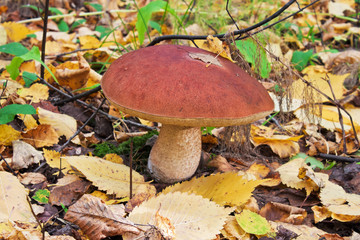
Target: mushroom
(184, 88)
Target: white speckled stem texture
(176, 153)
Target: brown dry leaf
(20, 231)
(62, 123)
(8, 134)
(289, 173)
(349, 56)
(31, 178)
(283, 145)
(223, 188)
(221, 164)
(108, 176)
(73, 75)
(316, 75)
(43, 135)
(192, 216)
(215, 45)
(136, 201)
(284, 213)
(13, 200)
(16, 31)
(24, 155)
(53, 159)
(35, 93)
(96, 219)
(68, 193)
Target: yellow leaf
(112, 157)
(41, 136)
(108, 176)
(62, 123)
(16, 31)
(8, 134)
(29, 121)
(282, 145)
(223, 188)
(13, 203)
(35, 93)
(53, 159)
(215, 45)
(316, 75)
(88, 41)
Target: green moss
(123, 148)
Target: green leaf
(8, 113)
(255, 55)
(98, 7)
(14, 48)
(313, 162)
(77, 23)
(144, 16)
(252, 222)
(301, 59)
(207, 130)
(155, 26)
(42, 196)
(13, 67)
(55, 11)
(29, 78)
(63, 27)
(103, 30)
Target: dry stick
(94, 108)
(339, 113)
(43, 44)
(238, 32)
(338, 158)
(7, 164)
(131, 166)
(78, 96)
(312, 86)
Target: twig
(7, 164)
(78, 96)
(337, 158)
(43, 44)
(235, 33)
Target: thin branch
(78, 96)
(43, 44)
(338, 158)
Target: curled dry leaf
(24, 155)
(31, 178)
(96, 219)
(192, 216)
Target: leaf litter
(30, 140)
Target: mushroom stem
(176, 154)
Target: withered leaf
(96, 219)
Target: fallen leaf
(96, 219)
(13, 198)
(16, 31)
(53, 159)
(252, 222)
(215, 45)
(24, 155)
(68, 193)
(223, 188)
(31, 178)
(62, 123)
(112, 177)
(284, 213)
(232, 230)
(8, 134)
(43, 135)
(165, 227)
(192, 216)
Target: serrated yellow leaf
(111, 177)
(193, 216)
(223, 188)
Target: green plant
(8, 113)
(42, 196)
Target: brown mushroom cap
(185, 86)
